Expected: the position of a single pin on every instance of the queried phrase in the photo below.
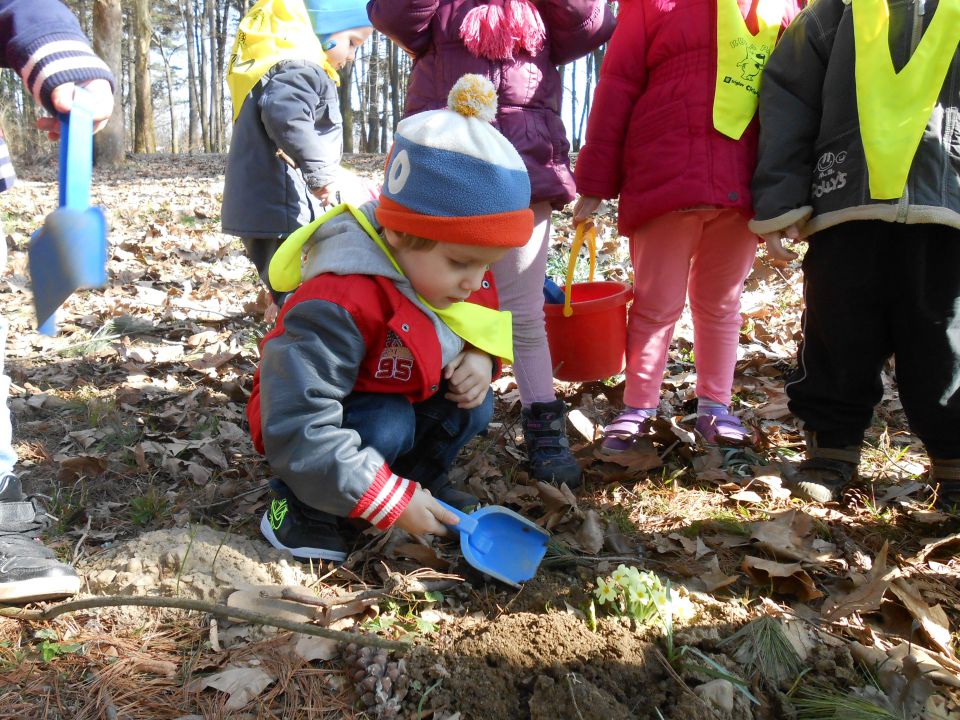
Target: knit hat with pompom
(452, 177)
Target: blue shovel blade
(501, 543)
(68, 253)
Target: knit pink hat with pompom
(496, 29)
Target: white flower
(606, 591)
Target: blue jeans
(419, 441)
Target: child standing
(287, 138)
(518, 44)
(858, 153)
(672, 133)
(42, 42)
(378, 370)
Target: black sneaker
(548, 451)
(28, 570)
(306, 533)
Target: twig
(682, 683)
(573, 696)
(306, 598)
(200, 606)
(214, 635)
(76, 548)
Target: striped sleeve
(55, 59)
(385, 499)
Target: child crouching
(378, 370)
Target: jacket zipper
(903, 207)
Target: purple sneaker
(623, 432)
(718, 426)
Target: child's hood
(341, 247)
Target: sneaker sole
(39, 588)
(299, 552)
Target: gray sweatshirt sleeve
(300, 110)
(305, 373)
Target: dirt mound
(541, 666)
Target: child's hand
(774, 241)
(62, 99)
(469, 375)
(327, 194)
(425, 516)
(584, 208)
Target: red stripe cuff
(385, 499)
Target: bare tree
(108, 146)
(168, 78)
(193, 132)
(144, 134)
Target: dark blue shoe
(305, 533)
(548, 450)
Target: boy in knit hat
(284, 160)
(378, 370)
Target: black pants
(261, 252)
(874, 289)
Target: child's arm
(424, 515)
(790, 113)
(623, 78)
(469, 375)
(293, 100)
(406, 22)
(575, 27)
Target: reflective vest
(741, 57)
(895, 107)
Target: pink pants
(710, 252)
(519, 278)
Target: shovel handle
(466, 525)
(585, 232)
(76, 151)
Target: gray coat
(295, 108)
(811, 166)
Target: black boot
(945, 479)
(442, 489)
(824, 474)
(548, 451)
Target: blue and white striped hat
(452, 177)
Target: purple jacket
(529, 87)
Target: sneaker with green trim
(305, 533)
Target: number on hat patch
(399, 172)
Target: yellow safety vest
(895, 107)
(741, 57)
(272, 31)
(485, 328)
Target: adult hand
(326, 194)
(62, 99)
(585, 206)
(774, 242)
(423, 515)
(468, 375)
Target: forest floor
(131, 423)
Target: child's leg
(846, 332)
(519, 278)
(261, 252)
(923, 285)
(385, 422)
(660, 251)
(721, 262)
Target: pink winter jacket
(650, 136)
(529, 87)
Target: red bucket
(588, 333)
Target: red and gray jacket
(42, 42)
(354, 325)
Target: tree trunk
(372, 97)
(216, 84)
(108, 144)
(196, 34)
(396, 107)
(193, 131)
(144, 134)
(168, 77)
(346, 106)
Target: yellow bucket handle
(585, 231)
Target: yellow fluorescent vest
(741, 57)
(485, 328)
(895, 107)
(272, 31)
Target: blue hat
(333, 16)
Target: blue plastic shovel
(501, 543)
(70, 251)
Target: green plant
(50, 646)
(816, 703)
(640, 595)
(764, 648)
(148, 507)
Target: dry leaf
(590, 535)
(933, 620)
(242, 684)
(714, 578)
(784, 578)
(866, 597)
(72, 469)
(426, 555)
(788, 536)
